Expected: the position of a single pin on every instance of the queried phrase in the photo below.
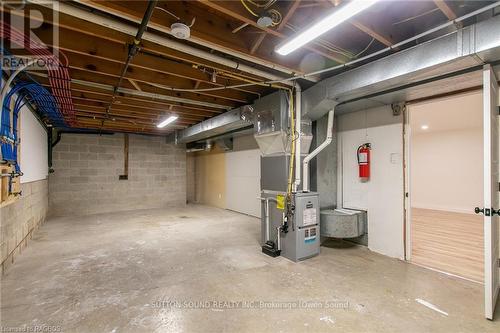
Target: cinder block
(78, 148)
(79, 164)
(69, 156)
(78, 180)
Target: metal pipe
(328, 140)
(298, 134)
(278, 238)
(267, 220)
(349, 64)
(133, 49)
(9, 81)
(266, 214)
(172, 44)
(142, 93)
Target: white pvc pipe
(298, 139)
(328, 140)
(9, 81)
(160, 40)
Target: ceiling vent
(180, 30)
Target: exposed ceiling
(227, 30)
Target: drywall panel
(382, 196)
(33, 153)
(243, 181)
(446, 170)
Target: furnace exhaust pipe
(328, 140)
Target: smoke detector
(180, 30)
(265, 21)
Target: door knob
(493, 212)
(478, 210)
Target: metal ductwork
(397, 76)
(446, 64)
(218, 125)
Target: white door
(491, 191)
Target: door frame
(491, 287)
(407, 243)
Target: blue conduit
(37, 95)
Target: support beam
(445, 9)
(160, 40)
(132, 92)
(243, 18)
(387, 41)
(135, 84)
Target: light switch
(395, 158)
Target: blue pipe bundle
(38, 96)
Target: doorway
(445, 154)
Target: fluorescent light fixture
(331, 21)
(425, 127)
(167, 121)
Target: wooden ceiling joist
(387, 41)
(146, 76)
(115, 51)
(237, 13)
(126, 109)
(291, 10)
(446, 9)
(199, 37)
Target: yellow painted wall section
(211, 179)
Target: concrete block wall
(20, 218)
(87, 168)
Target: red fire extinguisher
(364, 161)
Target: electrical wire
(248, 8)
(326, 44)
(366, 48)
(169, 13)
(291, 107)
(265, 6)
(275, 17)
(416, 16)
(353, 62)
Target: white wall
(33, 154)
(447, 170)
(382, 196)
(243, 177)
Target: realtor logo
(29, 34)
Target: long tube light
(167, 121)
(331, 21)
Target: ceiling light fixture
(331, 21)
(425, 127)
(167, 121)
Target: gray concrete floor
(123, 272)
